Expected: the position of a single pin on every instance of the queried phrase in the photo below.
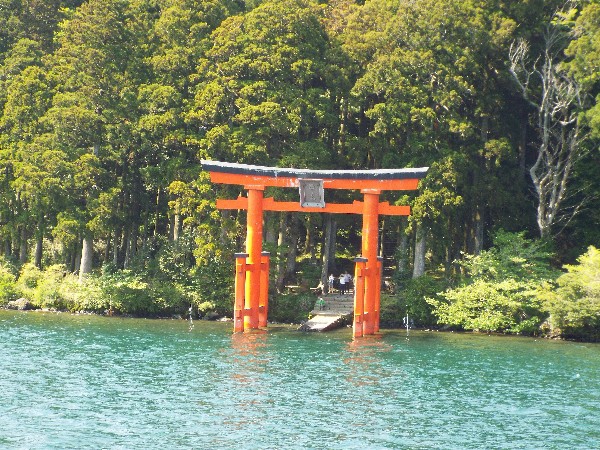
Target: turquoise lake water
(88, 382)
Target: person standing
(342, 284)
(330, 282)
(348, 281)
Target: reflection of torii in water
(251, 297)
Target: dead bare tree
(557, 100)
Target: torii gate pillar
(254, 230)
(370, 232)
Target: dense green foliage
(107, 107)
(411, 298)
(501, 289)
(574, 307)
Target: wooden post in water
(240, 286)
(378, 292)
(359, 297)
(263, 306)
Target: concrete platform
(331, 311)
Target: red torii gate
(252, 267)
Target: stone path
(331, 311)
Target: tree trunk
(290, 266)
(87, 254)
(381, 239)
(146, 232)
(478, 216)
(171, 227)
(307, 236)
(326, 253)
(522, 144)
(333, 237)
(176, 226)
(124, 251)
(7, 248)
(477, 230)
(271, 231)
(132, 246)
(73, 258)
(280, 267)
(557, 101)
(309, 243)
(420, 249)
(115, 252)
(39, 246)
(343, 126)
(402, 253)
(23, 245)
(223, 234)
(107, 248)
(157, 213)
(6, 241)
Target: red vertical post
(240, 287)
(359, 296)
(370, 235)
(263, 305)
(378, 293)
(254, 250)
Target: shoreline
(228, 320)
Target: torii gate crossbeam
(252, 267)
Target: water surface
(78, 381)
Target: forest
(107, 108)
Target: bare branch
(556, 98)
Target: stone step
(325, 322)
(336, 311)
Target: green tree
(431, 94)
(180, 36)
(95, 71)
(583, 63)
(33, 171)
(263, 89)
(266, 94)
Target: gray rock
(21, 304)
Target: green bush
(29, 276)
(506, 305)
(128, 293)
(170, 298)
(82, 296)
(120, 291)
(501, 291)
(47, 288)
(10, 265)
(574, 306)
(27, 282)
(48, 292)
(409, 296)
(55, 288)
(8, 290)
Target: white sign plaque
(312, 194)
